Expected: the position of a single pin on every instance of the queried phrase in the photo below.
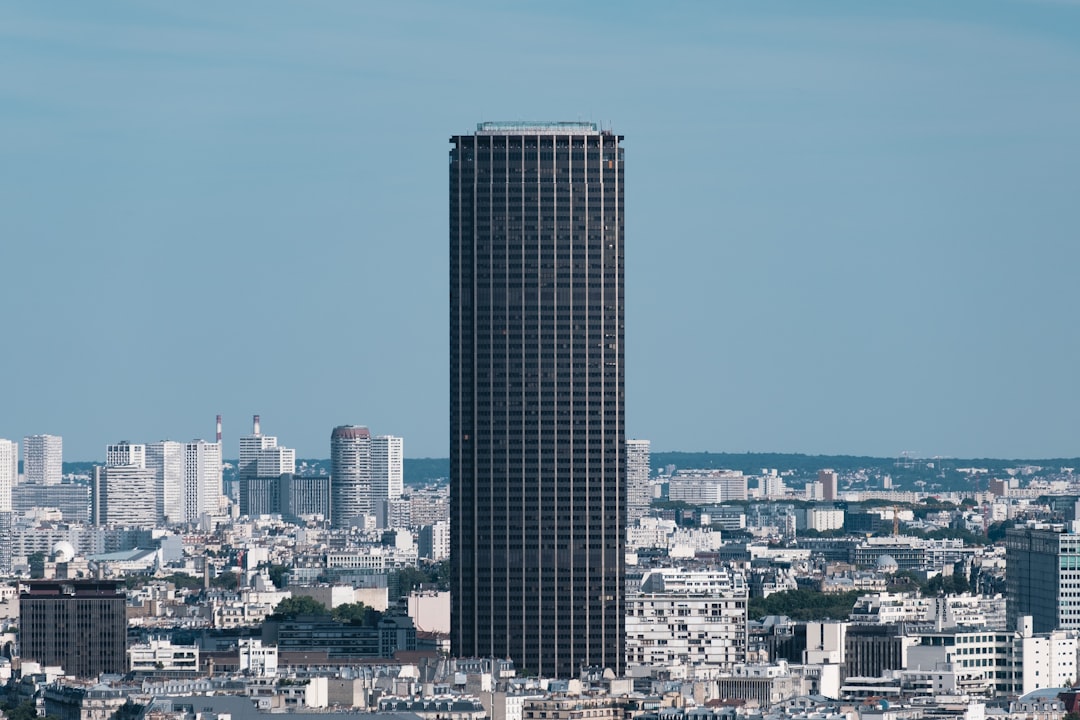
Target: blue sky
(851, 227)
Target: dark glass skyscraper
(537, 444)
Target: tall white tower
(202, 479)
(387, 468)
(125, 454)
(128, 497)
(166, 459)
(9, 472)
(43, 459)
(638, 489)
(250, 447)
(350, 474)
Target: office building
(127, 495)
(9, 472)
(202, 479)
(537, 437)
(350, 475)
(1042, 572)
(830, 482)
(275, 461)
(638, 489)
(166, 459)
(387, 468)
(43, 459)
(80, 625)
(71, 499)
(250, 447)
(700, 487)
(125, 453)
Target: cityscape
(533, 501)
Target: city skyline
(866, 252)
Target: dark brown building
(78, 624)
(537, 438)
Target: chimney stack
(219, 428)
(255, 425)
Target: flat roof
(537, 127)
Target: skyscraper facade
(202, 479)
(166, 459)
(125, 453)
(9, 472)
(638, 489)
(127, 496)
(80, 625)
(43, 459)
(350, 474)
(387, 467)
(537, 442)
(1042, 570)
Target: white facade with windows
(166, 460)
(9, 472)
(202, 479)
(275, 461)
(387, 467)
(129, 496)
(698, 487)
(638, 489)
(125, 453)
(684, 617)
(43, 459)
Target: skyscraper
(387, 467)
(78, 624)
(43, 459)
(250, 447)
(9, 472)
(202, 479)
(1042, 567)
(350, 474)
(537, 443)
(125, 453)
(166, 459)
(127, 496)
(638, 490)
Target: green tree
(290, 608)
(226, 581)
(805, 605)
(357, 614)
(23, 711)
(278, 575)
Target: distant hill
(931, 473)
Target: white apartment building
(1049, 660)
(162, 655)
(250, 447)
(9, 472)
(275, 461)
(387, 468)
(258, 659)
(125, 453)
(202, 479)
(166, 460)
(702, 487)
(681, 617)
(43, 459)
(638, 489)
(819, 518)
(128, 496)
